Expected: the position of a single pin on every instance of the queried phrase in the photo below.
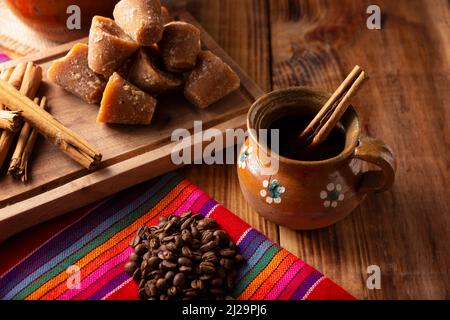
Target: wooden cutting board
(131, 154)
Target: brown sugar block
(124, 103)
(180, 46)
(211, 80)
(109, 46)
(146, 75)
(140, 19)
(74, 75)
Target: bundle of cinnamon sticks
(18, 86)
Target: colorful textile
(38, 263)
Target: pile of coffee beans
(184, 257)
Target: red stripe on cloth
(328, 290)
(128, 292)
(230, 222)
(19, 246)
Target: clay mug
(49, 17)
(309, 194)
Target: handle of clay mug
(378, 153)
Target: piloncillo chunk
(74, 75)
(124, 103)
(109, 46)
(141, 20)
(165, 14)
(146, 75)
(210, 80)
(180, 46)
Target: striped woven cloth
(37, 264)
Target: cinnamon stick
(327, 107)
(6, 138)
(10, 120)
(67, 140)
(338, 112)
(21, 170)
(331, 112)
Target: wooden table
(283, 43)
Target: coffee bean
(210, 256)
(185, 261)
(167, 265)
(185, 251)
(190, 293)
(186, 235)
(194, 231)
(172, 291)
(207, 247)
(206, 223)
(166, 255)
(196, 244)
(150, 289)
(167, 239)
(187, 214)
(226, 263)
(153, 243)
(153, 262)
(171, 246)
(137, 275)
(169, 226)
(146, 255)
(169, 276)
(179, 280)
(134, 257)
(238, 258)
(222, 235)
(185, 269)
(185, 257)
(207, 267)
(227, 253)
(178, 241)
(186, 223)
(141, 231)
(207, 236)
(206, 277)
(135, 241)
(130, 267)
(197, 284)
(142, 294)
(140, 249)
(161, 284)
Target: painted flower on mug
(272, 191)
(246, 154)
(332, 195)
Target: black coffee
(291, 147)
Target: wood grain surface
(404, 231)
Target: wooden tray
(130, 154)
